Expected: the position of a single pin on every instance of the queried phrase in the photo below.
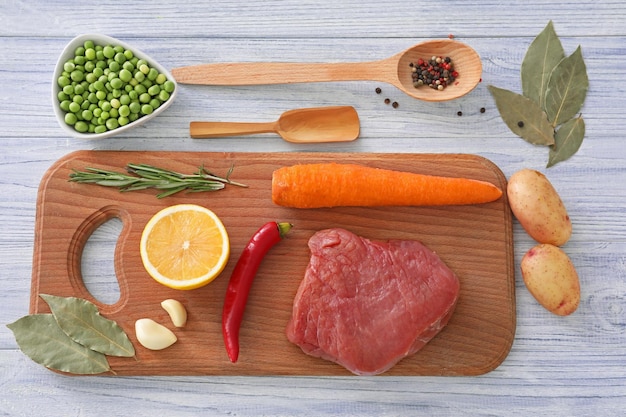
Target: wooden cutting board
(475, 241)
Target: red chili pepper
(241, 281)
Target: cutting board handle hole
(97, 262)
(93, 253)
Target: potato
(551, 278)
(538, 207)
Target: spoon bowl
(394, 70)
(465, 59)
(310, 125)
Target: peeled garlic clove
(153, 335)
(176, 310)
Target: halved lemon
(184, 246)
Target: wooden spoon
(394, 70)
(317, 124)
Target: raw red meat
(366, 305)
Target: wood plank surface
(475, 241)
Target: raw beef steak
(366, 305)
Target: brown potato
(551, 278)
(538, 207)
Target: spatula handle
(278, 73)
(202, 130)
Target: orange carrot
(333, 184)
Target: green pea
(134, 107)
(144, 98)
(114, 66)
(125, 75)
(70, 119)
(88, 45)
(133, 116)
(77, 76)
(113, 113)
(74, 107)
(134, 96)
(155, 103)
(161, 78)
(90, 54)
(112, 124)
(61, 96)
(81, 127)
(140, 89)
(116, 83)
(124, 110)
(154, 90)
(79, 60)
(169, 86)
(115, 103)
(98, 71)
(152, 74)
(77, 99)
(97, 112)
(87, 114)
(100, 129)
(123, 121)
(139, 76)
(100, 56)
(79, 51)
(120, 58)
(65, 105)
(63, 81)
(129, 54)
(68, 89)
(104, 115)
(108, 51)
(101, 95)
(128, 66)
(69, 66)
(164, 95)
(105, 106)
(124, 99)
(146, 109)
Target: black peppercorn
(387, 101)
(482, 109)
(395, 104)
(378, 90)
(459, 113)
(520, 123)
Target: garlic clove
(153, 335)
(176, 310)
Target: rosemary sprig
(148, 176)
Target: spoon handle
(202, 130)
(249, 73)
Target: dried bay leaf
(82, 322)
(523, 116)
(543, 55)
(568, 139)
(41, 339)
(567, 88)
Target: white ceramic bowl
(103, 40)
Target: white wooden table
(573, 366)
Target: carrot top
(334, 184)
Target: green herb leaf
(568, 139)
(82, 322)
(523, 116)
(41, 339)
(543, 55)
(567, 88)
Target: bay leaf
(523, 116)
(567, 141)
(81, 321)
(542, 56)
(41, 339)
(567, 88)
